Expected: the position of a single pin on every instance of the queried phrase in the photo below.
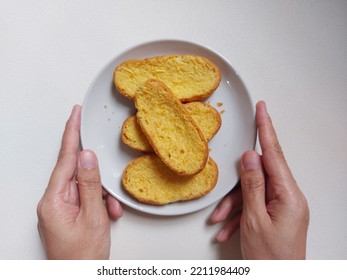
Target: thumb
(252, 183)
(89, 183)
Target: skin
(274, 218)
(73, 220)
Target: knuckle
(304, 209)
(299, 206)
(89, 183)
(43, 208)
(39, 210)
(89, 178)
(252, 183)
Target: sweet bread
(205, 116)
(170, 129)
(149, 180)
(190, 77)
(133, 136)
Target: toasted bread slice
(149, 180)
(133, 136)
(205, 116)
(190, 77)
(169, 128)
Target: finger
(104, 193)
(230, 202)
(114, 208)
(65, 167)
(273, 157)
(89, 183)
(252, 184)
(229, 228)
(70, 141)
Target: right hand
(275, 216)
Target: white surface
(104, 111)
(293, 54)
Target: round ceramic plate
(104, 111)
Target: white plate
(104, 111)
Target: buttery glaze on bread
(205, 116)
(149, 180)
(190, 77)
(169, 128)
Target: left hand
(72, 219)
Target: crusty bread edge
(216, 113)
(120, 89)
(126, 139)
(219, 120)
(212, 90)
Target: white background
(292, 54)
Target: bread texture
(133, 136)
(190, 77)
(150, 181)
(170, 129)
(204, 115)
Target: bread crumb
(219, 104)
(222, 111)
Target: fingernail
(119, 210)
(251, 160)
(221, 236)
(88, 160)
(214, 214)
(74, 110)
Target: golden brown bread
(133, 136)
(169, 128)
(205, 116)
(190, 77)
(149, 180)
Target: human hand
(72, 219)
(274, 219)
